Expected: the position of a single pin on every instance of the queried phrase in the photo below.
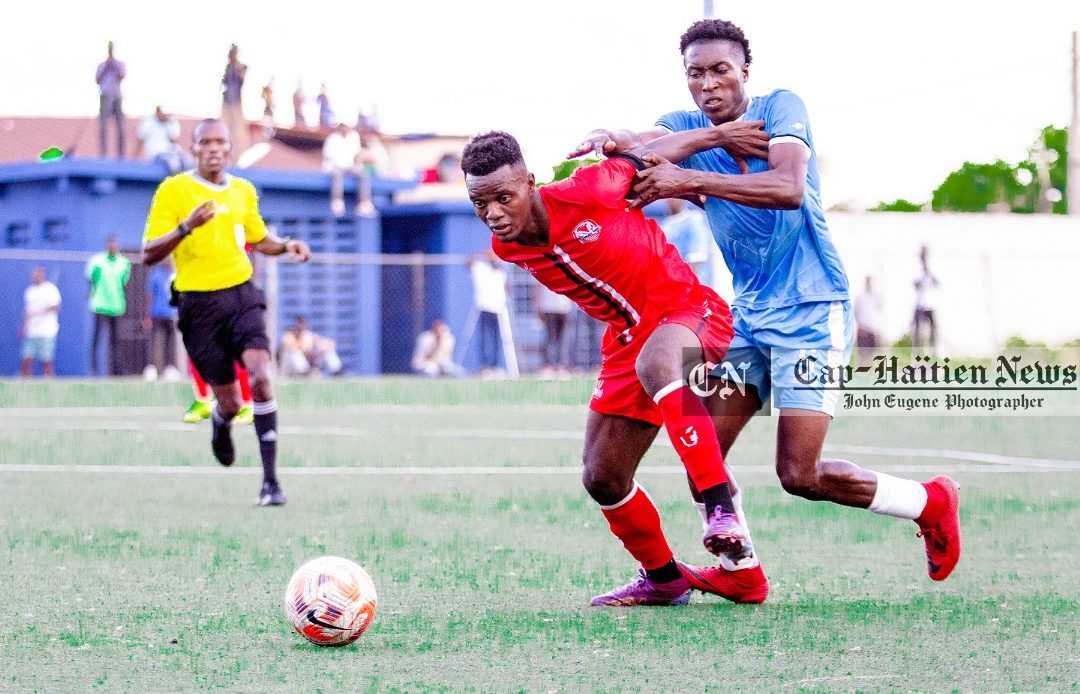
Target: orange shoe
(745, 585)
(943, 537)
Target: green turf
(138, 582)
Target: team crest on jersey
(587, 231)
(598, 391)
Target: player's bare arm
(155, 250)
(294, 249)
(604, 142)
(779, 188)
(741, 139)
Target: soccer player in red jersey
(579, 239)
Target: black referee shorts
(219, 325)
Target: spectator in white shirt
(433, 354)
(342, 154)
(304, 352)
(41, 323)
(490, 283)
(159, 137)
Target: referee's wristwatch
(184, 229)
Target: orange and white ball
(330, 601)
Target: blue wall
(64, 210)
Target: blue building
(58, 213)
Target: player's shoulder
(779, 98)
(177, 182)
(683, 120)
(241, 184)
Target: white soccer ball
(330, 601)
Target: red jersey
(611, 261)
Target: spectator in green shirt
(108, 273)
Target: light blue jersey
(777, 258)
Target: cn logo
(587, 231)
(689, 438)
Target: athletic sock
(665, 574)
(217, 418)
(936, 503)
(747, 559)
(899, 498)
(266, 431)
(245, 382)
(691, 431)
(636, 522)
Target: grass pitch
(153, 570)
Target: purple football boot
(644, 592)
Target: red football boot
(745, 585)
(942, 538)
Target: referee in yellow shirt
(204, 218)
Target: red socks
(636, 522)
(202, 391)
(245, 384)
(936, 502)
(693, 434)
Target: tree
(1033, 185)
(898, 205)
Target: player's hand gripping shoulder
(603, 142)
(744, 139)
(661, 180)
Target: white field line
(517, 435)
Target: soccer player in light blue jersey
(791, 309)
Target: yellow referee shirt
(213, 256)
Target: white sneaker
(149, 374)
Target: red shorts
(618, 390)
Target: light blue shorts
(39, 348)
(786, 353)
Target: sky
(898, 94)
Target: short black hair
(715, 30)
(203, 123)
(490, 151)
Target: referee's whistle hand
(201, 215)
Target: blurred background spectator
(491, 315)
(298, 107)
(159, 141)
(924, 326)
(40, 324)
(267, 96)
(867, 309)
(554, 312)
(232, 105)
(160, 322)
(687, 229)
(326, 114)
(108, 274)
(343, 153)
(109, 76)
(304, 352)
(433, 354)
